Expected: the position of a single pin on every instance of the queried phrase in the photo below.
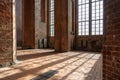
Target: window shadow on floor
(94, 74)
(24, 73)
(46, 75)
(54, 66)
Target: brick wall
(111, 51)
(6, 31)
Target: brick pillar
(6, 33)
(111, 50)
(28, 36)
(62, 42)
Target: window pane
(51, 14)
(83, 17)
(97, 17)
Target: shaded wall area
(89, 43)
(19, 23)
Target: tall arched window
(90, 17)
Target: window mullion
(95, 18)
(90, 17)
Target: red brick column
(6, 33)
(111, 50)
(28, 36)
(62, 33)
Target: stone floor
(48, 65)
